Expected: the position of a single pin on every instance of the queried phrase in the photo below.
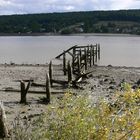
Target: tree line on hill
(122, 21)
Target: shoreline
(47, 64)
(75, 34)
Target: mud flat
(104, 81)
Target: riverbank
(73, 34)
(103, 82)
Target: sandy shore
(102, 82)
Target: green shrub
(78, 118)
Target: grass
(78, 118)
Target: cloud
(45, 6)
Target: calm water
(115, 50)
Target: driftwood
(79, 78)
(3, 126)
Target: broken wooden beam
(65, 52)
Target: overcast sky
(46, 6)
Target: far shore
(58, 34)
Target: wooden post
(96, 56)
(80, 55)
(50, 73)
(90, 56)
(3, 126)
(24, 91)
(85, 59)
(48, 91)
(79, 64)
(93, 55)
(64, 63)
(99, 51)
(73, 59)
(69, 72)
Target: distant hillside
(122, 21)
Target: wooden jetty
(81, 57)
(76, 62)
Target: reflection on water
(115, 50)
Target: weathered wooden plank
(65, 52)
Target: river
(116, 50)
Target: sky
(8, 7)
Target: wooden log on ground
(32, 91)
(54, 81)
(48, 91)
(79, 78)
(24, 91)
(3, 125)
(60, 82)
(25, 80)
(64, 63)
(50, 73)
(69, 72)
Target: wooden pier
(76, 62)
(81, 58)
